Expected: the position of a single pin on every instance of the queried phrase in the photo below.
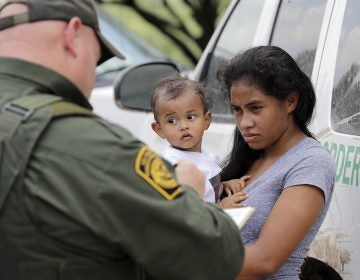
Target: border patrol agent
(80, 198)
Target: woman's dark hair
(273, 71)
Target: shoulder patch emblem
(153, 170)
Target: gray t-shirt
(306, 163)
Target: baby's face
(182, 121)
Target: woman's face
(263, 120)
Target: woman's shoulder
(311, 163)
(308, 158)
(310, 147)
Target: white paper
(240, 215)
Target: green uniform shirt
(99, 197)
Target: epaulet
(63, 108)
(19, 110)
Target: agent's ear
(208, 118)
(71, 34)
(157, 128)
(292, 101)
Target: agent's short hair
(173, 86)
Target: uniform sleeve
(118, 190)
(167, 228)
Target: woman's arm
(289, 221)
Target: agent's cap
(64, 10)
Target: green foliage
(177, 32)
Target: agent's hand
(235, 185)
(188, 174)
(233, 200)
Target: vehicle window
(238, 35)
(135, 48)
(345, 114)
(297, 30)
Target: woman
(292, 175)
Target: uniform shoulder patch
(153, 170)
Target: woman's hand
(235, 185)
(188, 174)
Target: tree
(188, 24)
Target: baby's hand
(233, 201)
(235, 185)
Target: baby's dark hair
(173, 86)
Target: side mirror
(134, 87)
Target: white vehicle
(324, 38)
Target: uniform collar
(44, 79)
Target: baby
(181, 117)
